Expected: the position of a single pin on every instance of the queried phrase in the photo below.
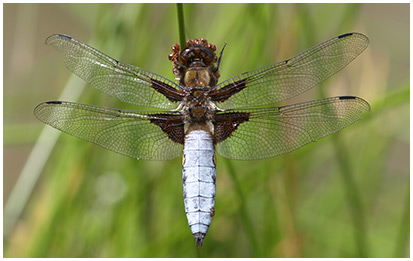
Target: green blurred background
(344, 196)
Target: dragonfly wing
(268, 132)
(289, 78)
(127, 82)
(141, 135)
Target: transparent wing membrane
(127, 82)
(129, 133)
(289, 78)
(274, 131)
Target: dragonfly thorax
(196, 77)
(198, 110)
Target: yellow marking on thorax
(197, 78)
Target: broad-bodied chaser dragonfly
(236, 118)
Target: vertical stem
(181, 24)
(249, 229)
(402, 240)
(353, 196)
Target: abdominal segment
(198, 175)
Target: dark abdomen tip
(199, 237)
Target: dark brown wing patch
(172, 125)
(168, 91)
(227, 91)
(226, 123)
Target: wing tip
(358, 35)
(41, 106)
(365, 103)
(54, 36)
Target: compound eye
(185, 56)
(185, 53)
(208, 56)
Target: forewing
(141, 135)
(269, 132)
(127, 82)
(286, 79)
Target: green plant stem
(353, 196)
(249, 229)
(181, 24)
(394, 98)
(402, 239)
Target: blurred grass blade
(402, 240)
(37, 159)
(393, 99)
(353, 196)
(249, 228)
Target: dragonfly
(238, 118)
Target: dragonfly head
(197, 53)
